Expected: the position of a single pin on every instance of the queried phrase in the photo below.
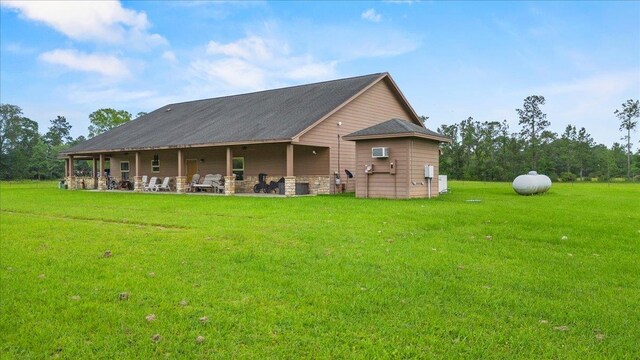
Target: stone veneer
(318, 184)
(76, 183)
(138, 186)
(230, 185)
(181, 182)
(289, 185)
(102, 183)
(71, 183)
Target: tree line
(490, 151)
(486, 151)
(27, 153)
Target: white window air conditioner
(380, 152)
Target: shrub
(567, 176)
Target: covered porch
(239, 165)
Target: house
(294, 132)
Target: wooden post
(138, 186)
(229, 162)
(289, 159)
(230, 178)
(180, 161)
(94, 170)
(137, 163)
(66, 168)
(71, 183)
(71, 165)
(101, 165)
(102, 181)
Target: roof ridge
(276, 89)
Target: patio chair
(218, 183)
(152, 184)
(164, 186)
(144, 181)
(194, 180)
(208, 182)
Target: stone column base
(138, 186)
(229, 185)
(181, 184)
(71, 183)
(102, 183)
(289, 185)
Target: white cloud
(371, 15)
(107, 65)
(103, 21)
(254, 63)
(84, 95)
(19, 49)
(313, 70)
(169, 56)
(232, 71)
(251, 48)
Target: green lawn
(550, 276)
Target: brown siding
(305, 162)
(381, 184)
(379, 103)
(266, 158)
(210, 160)
(424, 152)
(411, 155)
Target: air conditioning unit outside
(380, 152)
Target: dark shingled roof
(269, 115)
(395, 127)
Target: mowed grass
(550, 276)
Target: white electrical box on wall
(380, 152)
(428, 171)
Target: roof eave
(169, 147)
(398, 135)
(406, 103)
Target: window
(124, 170)
(238, 167)
(155, 164)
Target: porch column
(138, 186)
(290, 179)
(230, 178)
(94, 171)
(66, 168)
(71, 179)
(102, 180)
(229, 162)
(181, 179)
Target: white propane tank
(531, 183)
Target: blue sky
(452, 60)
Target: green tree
(59, 132)
(140, 114)
(40, 161)
(533, 122)
(584, 146)
(9, 116)
(630, 111)
(106, 119)
(451, 158)
(18, 136)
